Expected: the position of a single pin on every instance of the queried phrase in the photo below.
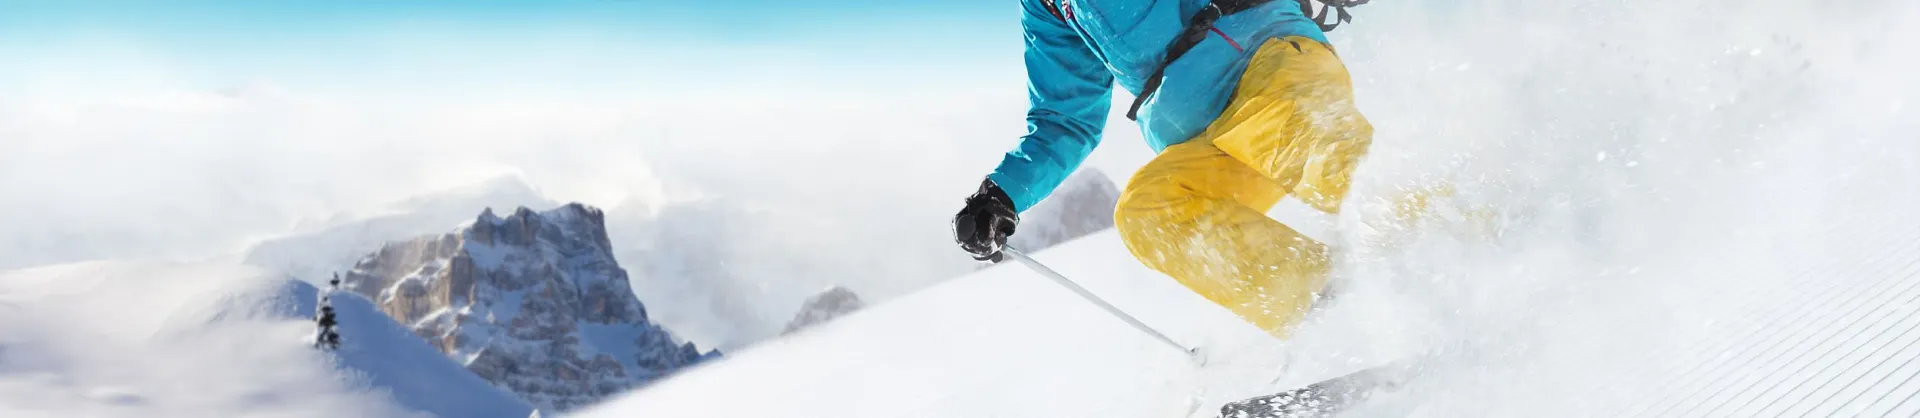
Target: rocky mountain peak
(826, 305)
(533, 302)
(1082, 205)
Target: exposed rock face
(1082, 205)
(533, 302)
(825, 306)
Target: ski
(1325, 398)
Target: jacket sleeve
(1070, 92)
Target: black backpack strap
(1202, 21)
(1339, 7)
(1196, 31)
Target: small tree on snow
(328, 337)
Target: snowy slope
(119, 339)
(1840, 338)
(1830, 331)
(1002, 342)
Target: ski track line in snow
(1833, 308)
(1752, 301)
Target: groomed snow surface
(1835, 339)
(1002, 342)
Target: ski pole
(1089, 296)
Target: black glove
(983, 226)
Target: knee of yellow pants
(1198, 216)
(1293, 119)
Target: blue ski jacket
(1074, 60)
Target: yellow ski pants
(1197, 212)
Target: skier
(1243, 101)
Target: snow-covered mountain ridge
(533, 302)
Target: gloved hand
(983, 226)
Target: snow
(1835, 339)
(1751, 262)
(546, 299)
(615, 340)
(385, 355)
(127, 339)
(1000, 341)
(486, 256)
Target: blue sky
(288, 110)
(742, 20)
(460, 44)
